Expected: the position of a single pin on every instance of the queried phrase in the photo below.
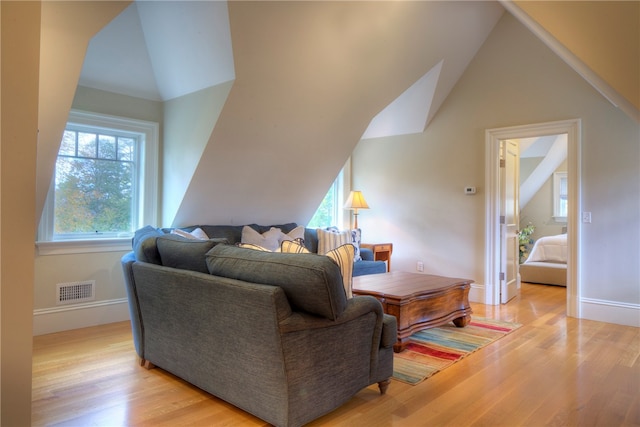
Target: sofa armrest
(366, 254)
(356, 307)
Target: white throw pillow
(197, 234)
(295, 234)
(269, 240)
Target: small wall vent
(75, 292)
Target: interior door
(509, 220)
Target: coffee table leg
(463, 321)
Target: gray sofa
(271, 333)
(233, 235)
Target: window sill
(65, 247)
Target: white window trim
(148, 152)
(557, 179)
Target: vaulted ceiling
(163, 50)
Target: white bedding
(549, 249)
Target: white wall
(110, 303)
(414, 183)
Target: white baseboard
(49, 320)
(610, 311)
(477, 293)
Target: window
(560, 199)
(105, 180)
(330, 211)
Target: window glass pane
(87, 144)
(93, 196)
(325, 215)
(68, 144)
(563, 186)
(125, 149)
(107, 147)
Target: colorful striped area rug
(431, 350)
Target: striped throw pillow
(343, 256)
(331, 238)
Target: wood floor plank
(553, 371)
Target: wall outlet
(469, 190)
(586, 217)
(420, 266)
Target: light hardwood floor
(554, 371)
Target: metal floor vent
(73, 292)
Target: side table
(381, 252)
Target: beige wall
(414, 184)
(20, 58)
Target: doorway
(493, 239)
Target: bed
(547, 263)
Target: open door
(509, 220)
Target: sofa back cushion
(188, 254)
(144, 244)
(312, 283)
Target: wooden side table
(381, 252)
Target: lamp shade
(356, 201)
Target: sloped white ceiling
(160, 50)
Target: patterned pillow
(342, 255)
(356, 239)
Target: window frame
(147, 191)
(558, 177)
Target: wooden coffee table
(418, 301)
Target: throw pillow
(356, 239)
(252, 246)
(331, 238)
(197, 234)
(268, 240)
(295, 234)
(343, 256)
(293, 247)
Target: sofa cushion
(343, 256)
(188, 254)
(144, 244)
(311, 282)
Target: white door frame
(492, 204)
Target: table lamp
(354, 202)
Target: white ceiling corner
(161, 50)
(408, 113)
